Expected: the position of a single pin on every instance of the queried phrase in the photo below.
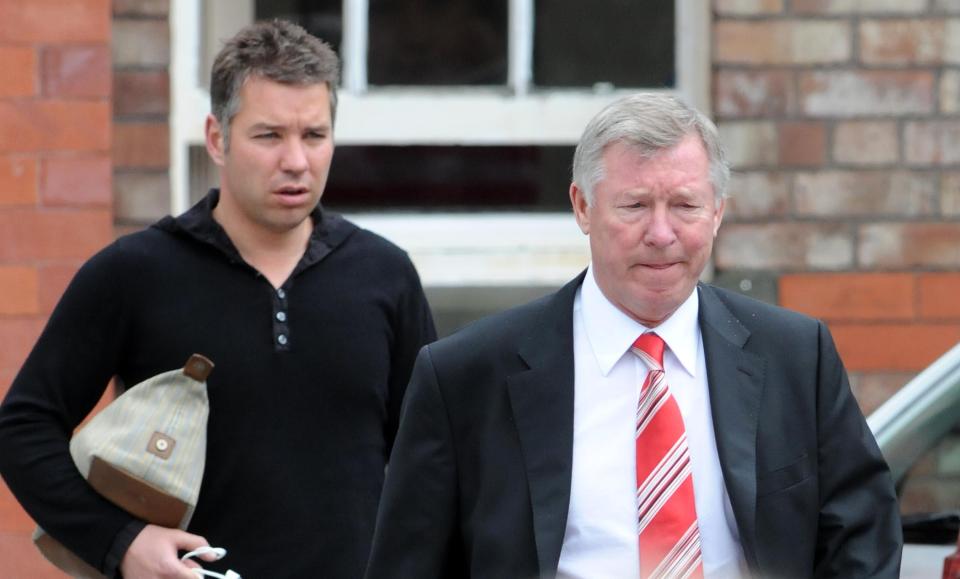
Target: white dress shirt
(601, 533)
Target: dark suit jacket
(479, 481)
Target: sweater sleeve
(61, 381)
(413, 329)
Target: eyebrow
(276, 127)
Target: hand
(153, 554)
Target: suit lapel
(736, 379)
(542, 402)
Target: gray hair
(648, 122)
(276, 50)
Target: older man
(637, 423)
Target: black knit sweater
(304, 398)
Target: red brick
(802, 143)
(19, 66)
(910, 245)
(55, 21)
(20, 294)
(78, 181)
(932, 142)
(865, 193)
(141, 196)
(17, 336)
(32, 235)
(54, 279)
(54, 126)
(18, 181)
(141, 93)
(866, 143)
(21, 560)
(12, 517)
(781, 42)
(872, 389)
(746, 93)
(851, 93)
(893, 347)
(850, 296)
(77, 71)
(938, 296)
(790, 246)
(917, 42)
(144, 145)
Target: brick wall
(842, 120)
(141, 87)
(54, 188)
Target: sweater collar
(329, 231)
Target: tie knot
(649, 347)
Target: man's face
(651, 227)
(281, 144)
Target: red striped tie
(666, 513)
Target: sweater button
(282, 339)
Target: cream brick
(948, 6)
(952, 49)
(141, 43)
(866, 143)
(748, 7)
(796, 246)
(910, 245)
(749, 143)
(140, 197)
(864, 193)
(950, 92)
(950, 195)
(757, 195)
(747, 93)
(902, 41)
(782, 42)
(859, 6)
(932, 142)
(848, 93)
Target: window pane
(437, 42)
(449, 178)
(322, 18)
(623, 42)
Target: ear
(214, 140)
(718, 216)
(581, 210)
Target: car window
(932, 484)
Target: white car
(918, 430)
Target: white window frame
(478, 249)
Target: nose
(294, 159)
(659, 231)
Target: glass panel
(622, 42)
(322, 18)
(437, 42)
(449, 178)
(933, 483)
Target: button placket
(281, 328)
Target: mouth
(659, 266)
(291, 194)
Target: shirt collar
(611, 332)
